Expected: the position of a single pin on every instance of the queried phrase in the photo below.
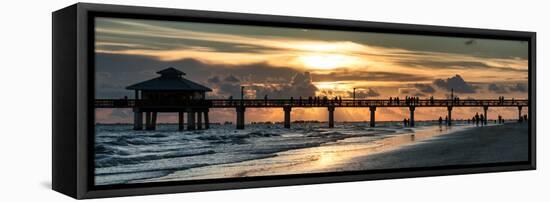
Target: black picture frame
(73, 94)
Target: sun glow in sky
(282, 62)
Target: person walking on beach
(440, 121)
(482, 120)
(477, 119)
(405, 122)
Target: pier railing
(273, 103)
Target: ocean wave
(108, 161)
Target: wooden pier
(199, 108)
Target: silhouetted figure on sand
(477, 119)
(405, 122)
(440, 120)
(482, 119)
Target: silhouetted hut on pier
(170, 92)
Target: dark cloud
(231, 79)
(214, 79)
(520, 87)
(455, 83)
(369, 93)
(299, 85)
(117, 71)
(425, 88)
(349, 75)
(456, 65)
(497, 88)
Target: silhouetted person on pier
(405, 122)
(390, 100)
(440, 120)
(473, 119)
(477, 119)
(482, 119)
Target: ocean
(124, 156)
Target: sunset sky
(284, 62)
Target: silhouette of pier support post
(449, 111)
(287, 110)
(411, 118)
(180, 121)
(199, 120)
(519, 113)
(150, 120)
(154, 121)
(206, 120)
(240, 117)
(138, 120)
(331, 116)
(485, 108)
(191, 120)
(372, 116)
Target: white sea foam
(123, 155)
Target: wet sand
(488, 144)
(436, 146)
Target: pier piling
(485, 108)
(331, 116)
(411, 118)
(138, 120)
(148, 121)
(372, 114)
(287, 110)
(206, 120)
(449, 111)
(240, 117)
(180, 121)
(191, 120)
(199, 120)
(154, 121)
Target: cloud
(116, 71)
(226, 86)
(520, 87)
(349, 75)
(406, 90)
(437, 64)
(369, 93)
(497, 88)
(231, 79)
(214, 80)
(425, 88)
(455, 83)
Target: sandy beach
(432, 146)
(488, 144)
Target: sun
(327, 61)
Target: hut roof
(169, 79)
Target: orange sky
(378, 65)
